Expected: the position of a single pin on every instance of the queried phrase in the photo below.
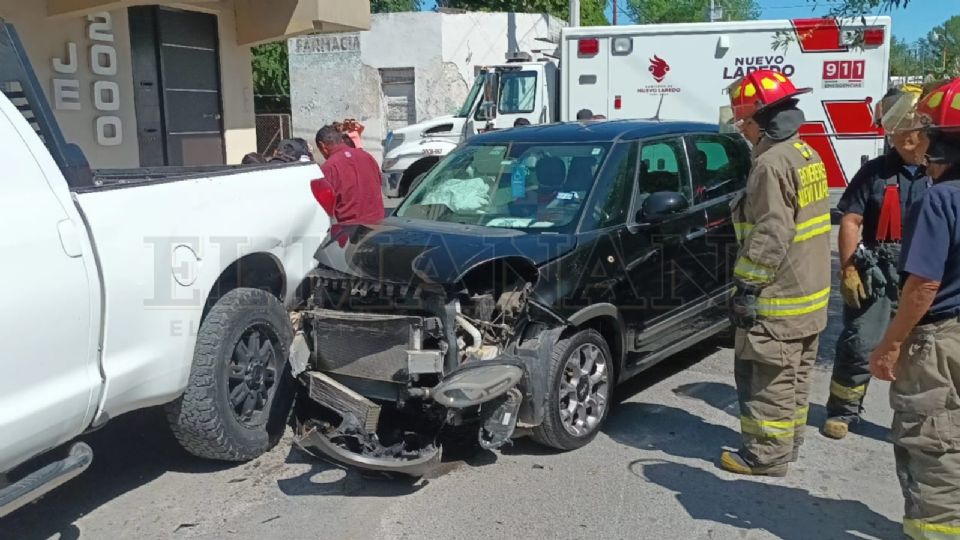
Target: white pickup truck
(133, 288)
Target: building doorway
(177, 86)
(399, 89)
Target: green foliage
(591, 11)
(903, 59)
(858, 8)
(271, 77)
(676, 11)
(943, 44)
(390, 6)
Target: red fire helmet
(760, 89)
(941, 107)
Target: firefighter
(873, 207)
(920, 351)
(782, 274)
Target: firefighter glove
(742, 307)
(851, 287)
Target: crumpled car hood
(412, 252)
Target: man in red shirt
(355, 177)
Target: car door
(719, 165)
(50, 308)
(663, 258)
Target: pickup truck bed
(125, 289)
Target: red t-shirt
(355, 177)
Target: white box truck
(675, 72)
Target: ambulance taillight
(588, 47)
(873, 37)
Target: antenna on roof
(660, 106)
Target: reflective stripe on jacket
(783, 225)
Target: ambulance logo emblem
(659, 68)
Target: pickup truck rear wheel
(580, 386)
(240, 390)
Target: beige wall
(46, 39)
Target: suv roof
(608, 130)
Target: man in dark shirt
(873, 207)
(920, 351)
(355, 177)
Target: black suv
(528, 273)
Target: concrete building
(407, 68)
(140, 83)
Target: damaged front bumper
(377, 392)
(355, 439)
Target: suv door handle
(699, 232)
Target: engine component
(368, 345)
(343, 401)
(478, 350)
(499, 419)
(424, 362)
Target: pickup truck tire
(240, 390)
(581, 382)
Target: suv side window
(663, 168)
(719, 165)
(611, 199)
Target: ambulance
(672, 72)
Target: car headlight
(476, 385)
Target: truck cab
(501, 95)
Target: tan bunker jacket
(783, 226)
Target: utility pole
(716, 13)
(574, 12)
(615, 10)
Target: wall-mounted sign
(327, 44)
(105, 93)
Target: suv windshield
(518, 186)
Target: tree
(903, 58)
(675, 11)
(391, 6)
(943, 42)
(271, 77)
(591, 11)
(860, 8)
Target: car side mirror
(661, 205)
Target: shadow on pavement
(664, 370)
(327, 478)
(670, 430)
(785, 512)
(130, 451)
(723, 397)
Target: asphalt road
(651, 474)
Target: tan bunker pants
(773, 384)
(926, 430)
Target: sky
(909, 24)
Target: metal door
(190, 75)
